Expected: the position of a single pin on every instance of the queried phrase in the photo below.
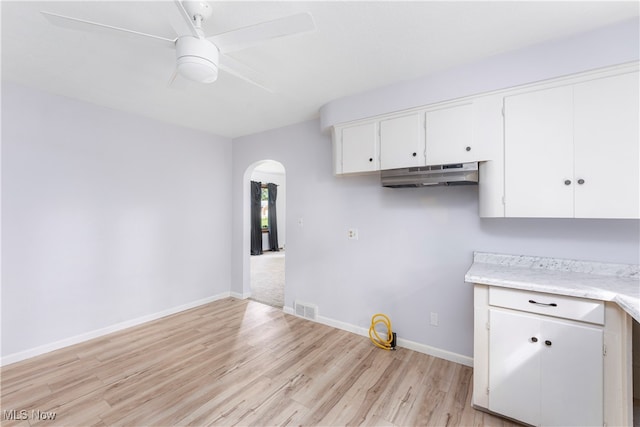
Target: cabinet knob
(371, 159)
(547, 343)
(567, 182)
(534, 339)
(468, 148)
(581, 181)
(414, 154)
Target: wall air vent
(308, 311)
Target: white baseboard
(241, 296)
(436, 352)
(411, 345)
(46, 348)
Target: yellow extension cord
(375, 337)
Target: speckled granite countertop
(619, 283)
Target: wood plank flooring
(237, 362)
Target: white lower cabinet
(545, 371)
(551, 360)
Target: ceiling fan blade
(95, 27)
(244, 72)
(181, 22)
(242, 38)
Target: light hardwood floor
(238, 362)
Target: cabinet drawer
(566, 307)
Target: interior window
(264, 204)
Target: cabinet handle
(547, 343)
(553, 304)
(581, 181)
(414, 154)
(468, 148)
(567, 182)
(534, 339)
(371, 159)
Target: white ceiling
(358, 46)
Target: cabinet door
(607, 148)
(514, 365)
(402, 142)
(539, 154)
(545, 371)
(571, 374)
(360, 148)
(450, 135)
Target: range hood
(423, 176)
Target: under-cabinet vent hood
(423, 176)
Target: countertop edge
(628, 303)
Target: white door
(360, 148)
(402, 142)
(539, 154)
(450, 135)
(607, 165)
(514, 365)
(571, 374)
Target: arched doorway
(267, 266)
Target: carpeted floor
(267, 278)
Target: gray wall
(106, 217)
(613, 44)
(415, 245)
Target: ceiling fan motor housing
(197, 59)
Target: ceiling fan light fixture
(197, 69)
(197, 59)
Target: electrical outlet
(352, 234)
(434, 319)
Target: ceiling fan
(198, 57)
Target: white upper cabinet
(359, 148)
(467, 131)
(573, 151)
(450, 135)
(539, 154)
(564, 148)
(488, 146)
(470, 132)
(606, 145)
(402, 142)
